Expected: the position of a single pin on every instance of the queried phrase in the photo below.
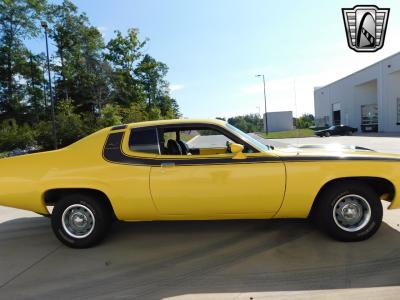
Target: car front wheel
(349, 211)
(80, 221)
(327, 134)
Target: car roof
(177, 122)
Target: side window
(204, 138)
(144, 140)
(193, 141)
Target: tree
(110, 116)
(247, 123)
(151, 74)
(124, 53)
(13, 136)
(305, 121)
(83, 72)
(18, 21)
(70, 127)
(96, 85)
(136, 112)
(36, 103)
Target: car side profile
(336, 130)
(197, 170)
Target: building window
(369, 118)
(398, 111)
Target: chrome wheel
(352, 213)
(78, 221)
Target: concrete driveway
(197, 260)
(202, 260)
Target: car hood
(334, 147)
(333, 151)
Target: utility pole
(265, 103)
(53, 118)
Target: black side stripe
(113, 153)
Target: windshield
(247, 138)
(332, 127)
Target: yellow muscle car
(198, 170)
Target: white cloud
(281, 92)
(102, 29)
(176, 87)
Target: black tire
(335, 196)
(327, 134)
(91, 208)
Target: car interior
(181, 141)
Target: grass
(295, 133)
(3, 154)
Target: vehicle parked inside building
(336, 130)
(198, 170)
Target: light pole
(265, 103)
(53, 119)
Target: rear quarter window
(144, 140)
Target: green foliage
(124, 52)
(19, 20)
(305, 121)
(247, 123)
(96, 84)
(136, 112)
(13, 136)
(154, 113)
(110, 116)
(70, 127)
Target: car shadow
(154, 260)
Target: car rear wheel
(80, 221)
(349, 211)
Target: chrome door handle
(167, 165)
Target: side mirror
(237, 149)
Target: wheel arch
(51, 196)
(382, 186)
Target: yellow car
(198, 170)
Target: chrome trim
(72, 229)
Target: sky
(214, 48)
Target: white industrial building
(279, 121)
(368, 99)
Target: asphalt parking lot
(202, 260)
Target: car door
(218, 185)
